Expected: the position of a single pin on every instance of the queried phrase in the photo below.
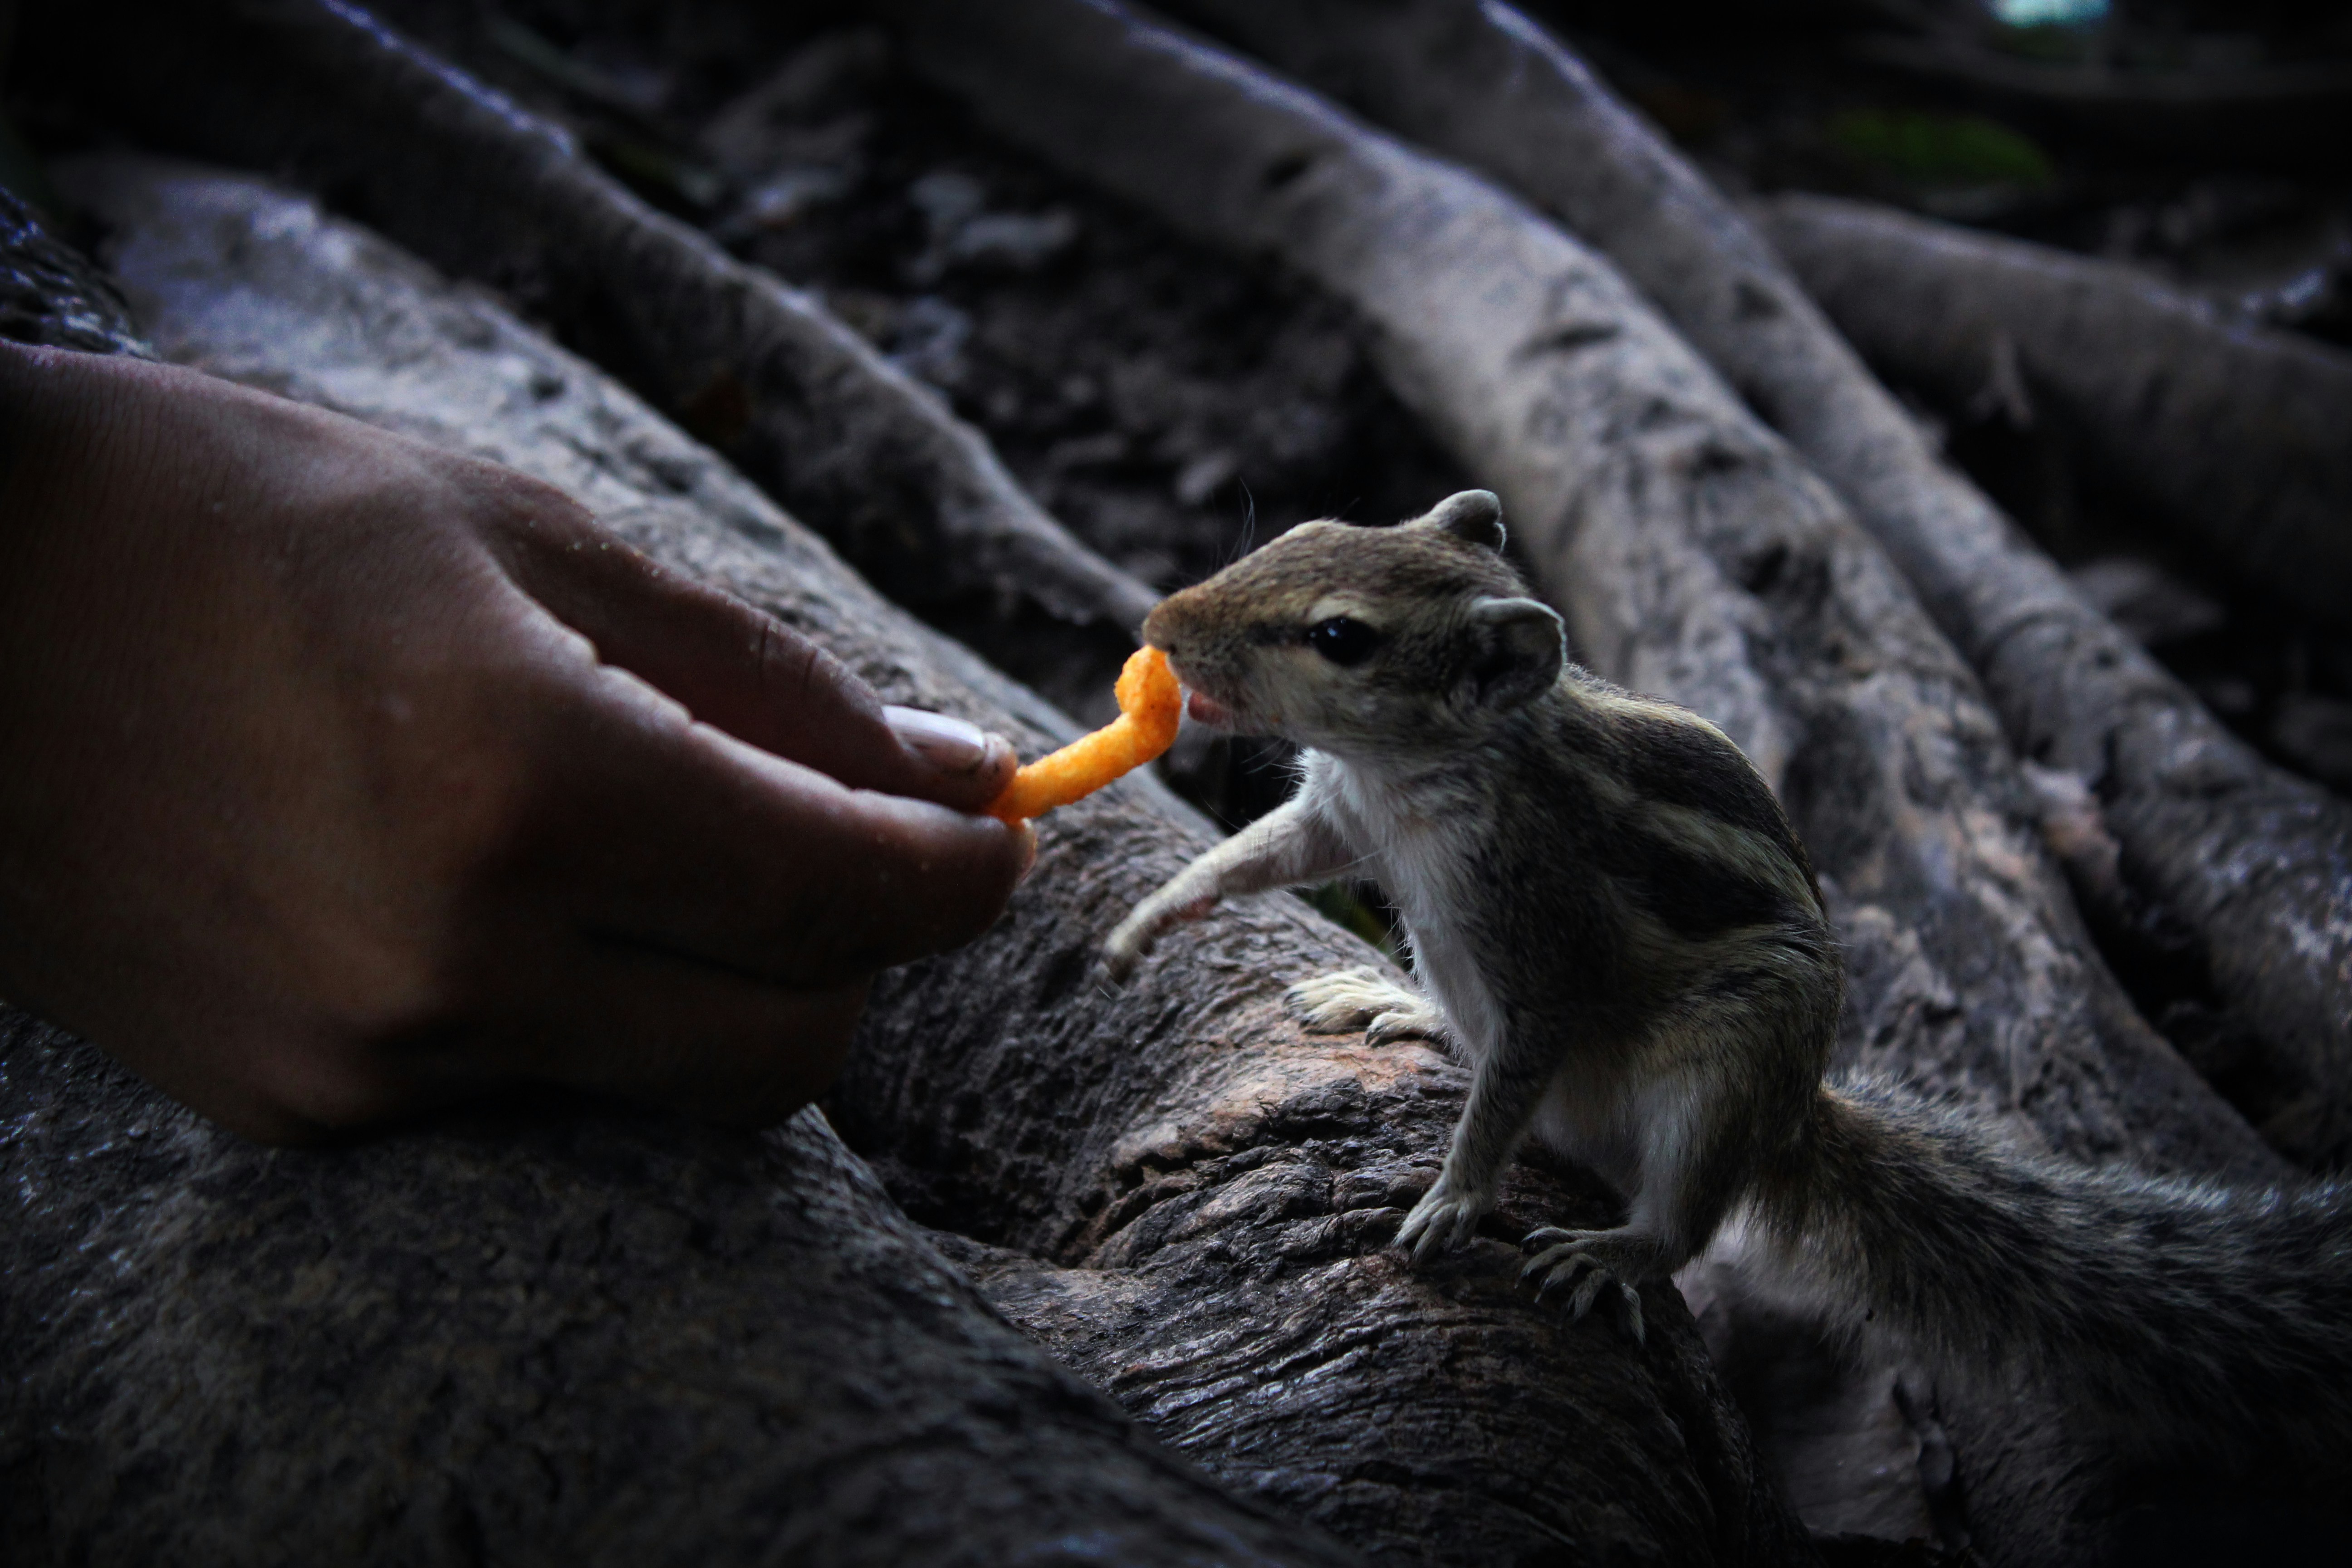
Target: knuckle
(516, 500)
(459, 771)
(796, 669)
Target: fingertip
(970, 867)
(734, 854)
(1001, 763)
(963, 766)
(995, 776)
(951, 744)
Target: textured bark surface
(2234, 436)
(406, 143)
(2235, 878)
(1696, 557)
(50, 295)
(573, 1338)
(2251, 866)
(1224, 1182)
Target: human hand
(344, 777)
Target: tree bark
(2235, 435)
(566, 1338)
(1225, 1182)
(50, 296)
(2270, 113)
(914, 497)
(2235, 880)
(1695, 557)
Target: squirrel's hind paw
(1365, 999)
(1592, 1266)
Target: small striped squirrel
(1614, 926)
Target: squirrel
(1614, 925)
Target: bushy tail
(2193, 1316)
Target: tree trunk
(2235, 881)
(1228, 1182)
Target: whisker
(1249, 524)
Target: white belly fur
(1419, 861)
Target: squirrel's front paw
(1135, 935)
(1364, 999)
(1592, 1266)
(1442, 1220)
(1123, 948)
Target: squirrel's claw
(1569, 1263)
(1364, 999)
(1140, 931)
(1443, 1219)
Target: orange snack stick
(1149, 706)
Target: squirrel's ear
(1473, 515)
(1521, 645)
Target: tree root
(2233, 435)
(1694, 554)
(575, 1338)
(1225, 1182)
(2241, 869)
(2282, 112)
(2245, 870)
(1696, 557)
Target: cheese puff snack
(1149, 706)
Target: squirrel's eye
(1343, 641)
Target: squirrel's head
(1344, 639)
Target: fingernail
(948, 744)
(1028, 849)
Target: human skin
(341, 778)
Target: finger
(679, 837)
(737, 668)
